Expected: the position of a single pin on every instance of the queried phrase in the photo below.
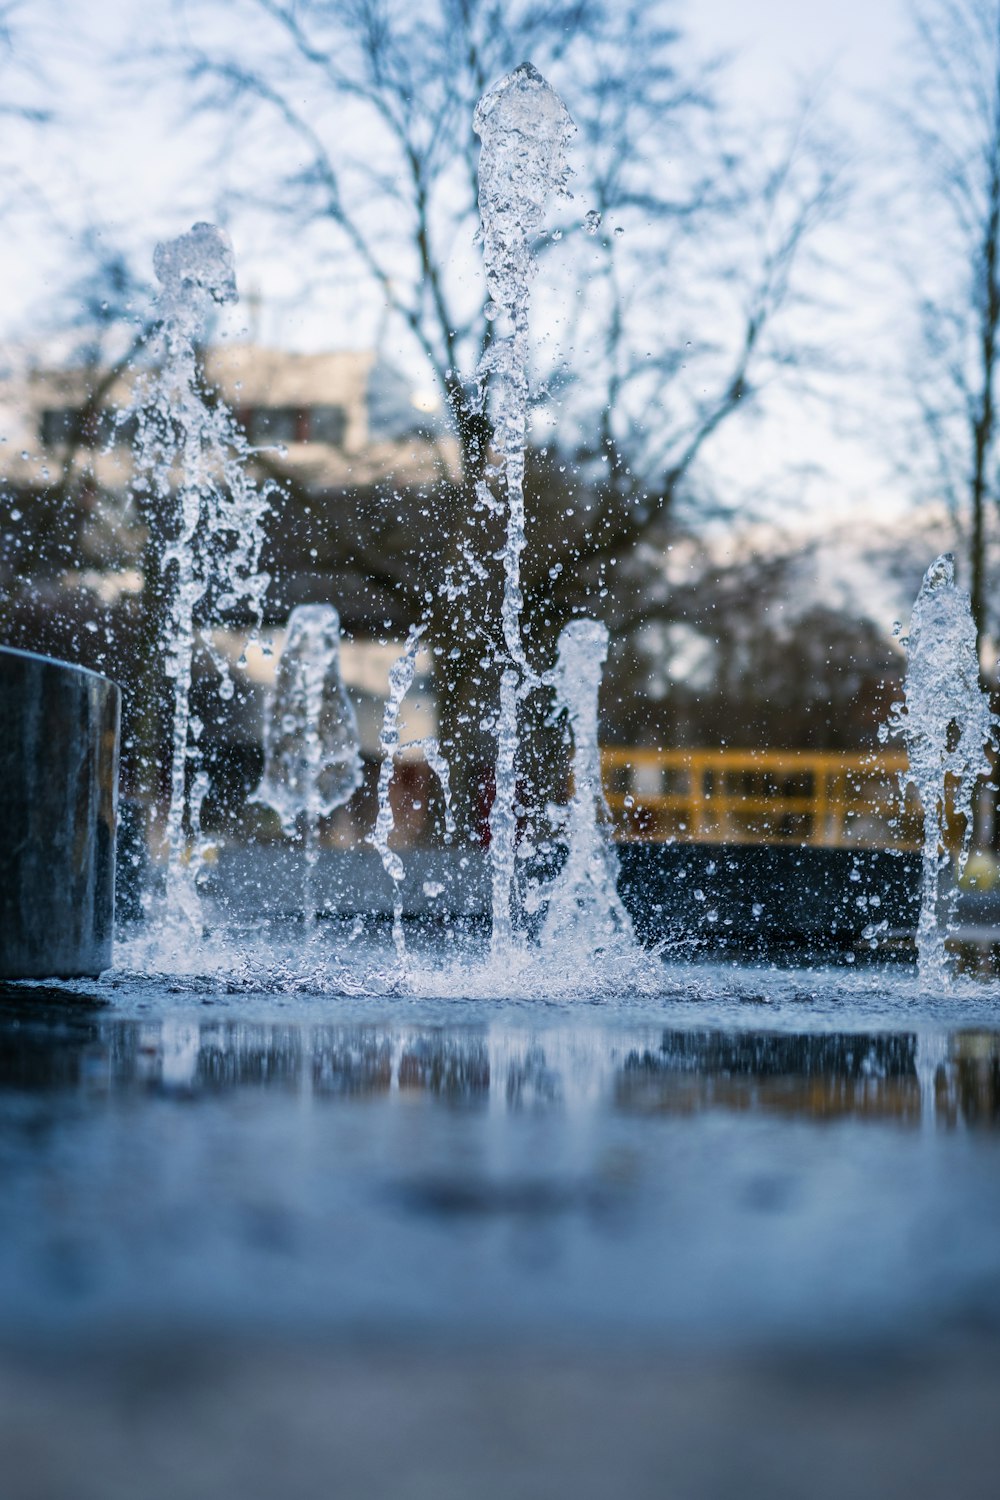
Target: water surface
(748, 1155)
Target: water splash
(947, 726)
(503, 818)
(525, 129)
(196, 272)
(312, 760)
(401, 676)
(191, 480)
(584, 911)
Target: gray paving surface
(258, 1422)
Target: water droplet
(592, 221)
(619, 231)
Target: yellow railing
(761, 797)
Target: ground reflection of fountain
(531, 1082)
(817, 1077)
(351, 1063)
(861, 1076)
(967, 1082)
(237, 1055)
(454, 1070)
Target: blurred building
(345, 433)
(352, 444)
(350, 409)
(768, 647)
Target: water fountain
(312, 760)
(525, 129)
(583, 911)
(192, 462)
(315, 1215)
(945, 721)
(401, 676)
(193, 458)
(192, 480)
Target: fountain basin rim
(55, 661)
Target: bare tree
(699, 226)
(660, 320)
(26, 111)
(953, 125)
(19, 70)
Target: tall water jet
(584, 913)
(401, 676)
(947, 726)
(312, 749)
(524, 128)
(191, 479)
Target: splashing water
(947, 726)
(312, 760)
(584, 910)
(524, 128)
(401, 677)
(191, 478)
(503, 817)
(192, 459)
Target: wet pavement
(710, 1232)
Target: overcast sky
(856, 40)
(125, 163)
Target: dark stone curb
(59, 727)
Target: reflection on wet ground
(627, 1241)
(701, 1180)
(820, 1077)
(967, 1086)
(952, 1079)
